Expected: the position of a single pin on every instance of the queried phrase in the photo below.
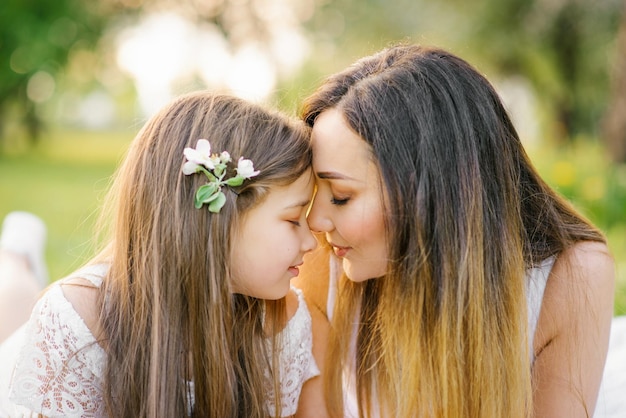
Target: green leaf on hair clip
(235, 181)
(205, 194)
(217, 204)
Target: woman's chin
(356, 274)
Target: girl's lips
(295, 270)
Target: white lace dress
(54, 366)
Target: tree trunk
(614, 124)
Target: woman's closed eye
(339, 202)
(294, 222)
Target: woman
(461, 285)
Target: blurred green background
(78, 79)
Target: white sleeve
(58, 372)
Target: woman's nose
(317, 218)
(309, 243)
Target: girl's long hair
(444, 332)
(174, 334)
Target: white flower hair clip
(213, 166)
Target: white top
(58, 371)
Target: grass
(65, 178)
(63, 181)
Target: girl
(465, 286)
(188, 310)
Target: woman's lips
(339, 250)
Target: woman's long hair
(444, 332)
(167, 313)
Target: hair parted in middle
(168, 315)
(443, 333)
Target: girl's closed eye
(295, 222)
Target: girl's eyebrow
(301, 204)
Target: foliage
(564, 48)
(582, 172)
(614, 123)
(36, 40)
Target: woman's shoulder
(580, 288)
(585, 264)
(582, 273)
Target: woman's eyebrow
(332, 175)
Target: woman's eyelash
(296, 223)
(339, 202)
